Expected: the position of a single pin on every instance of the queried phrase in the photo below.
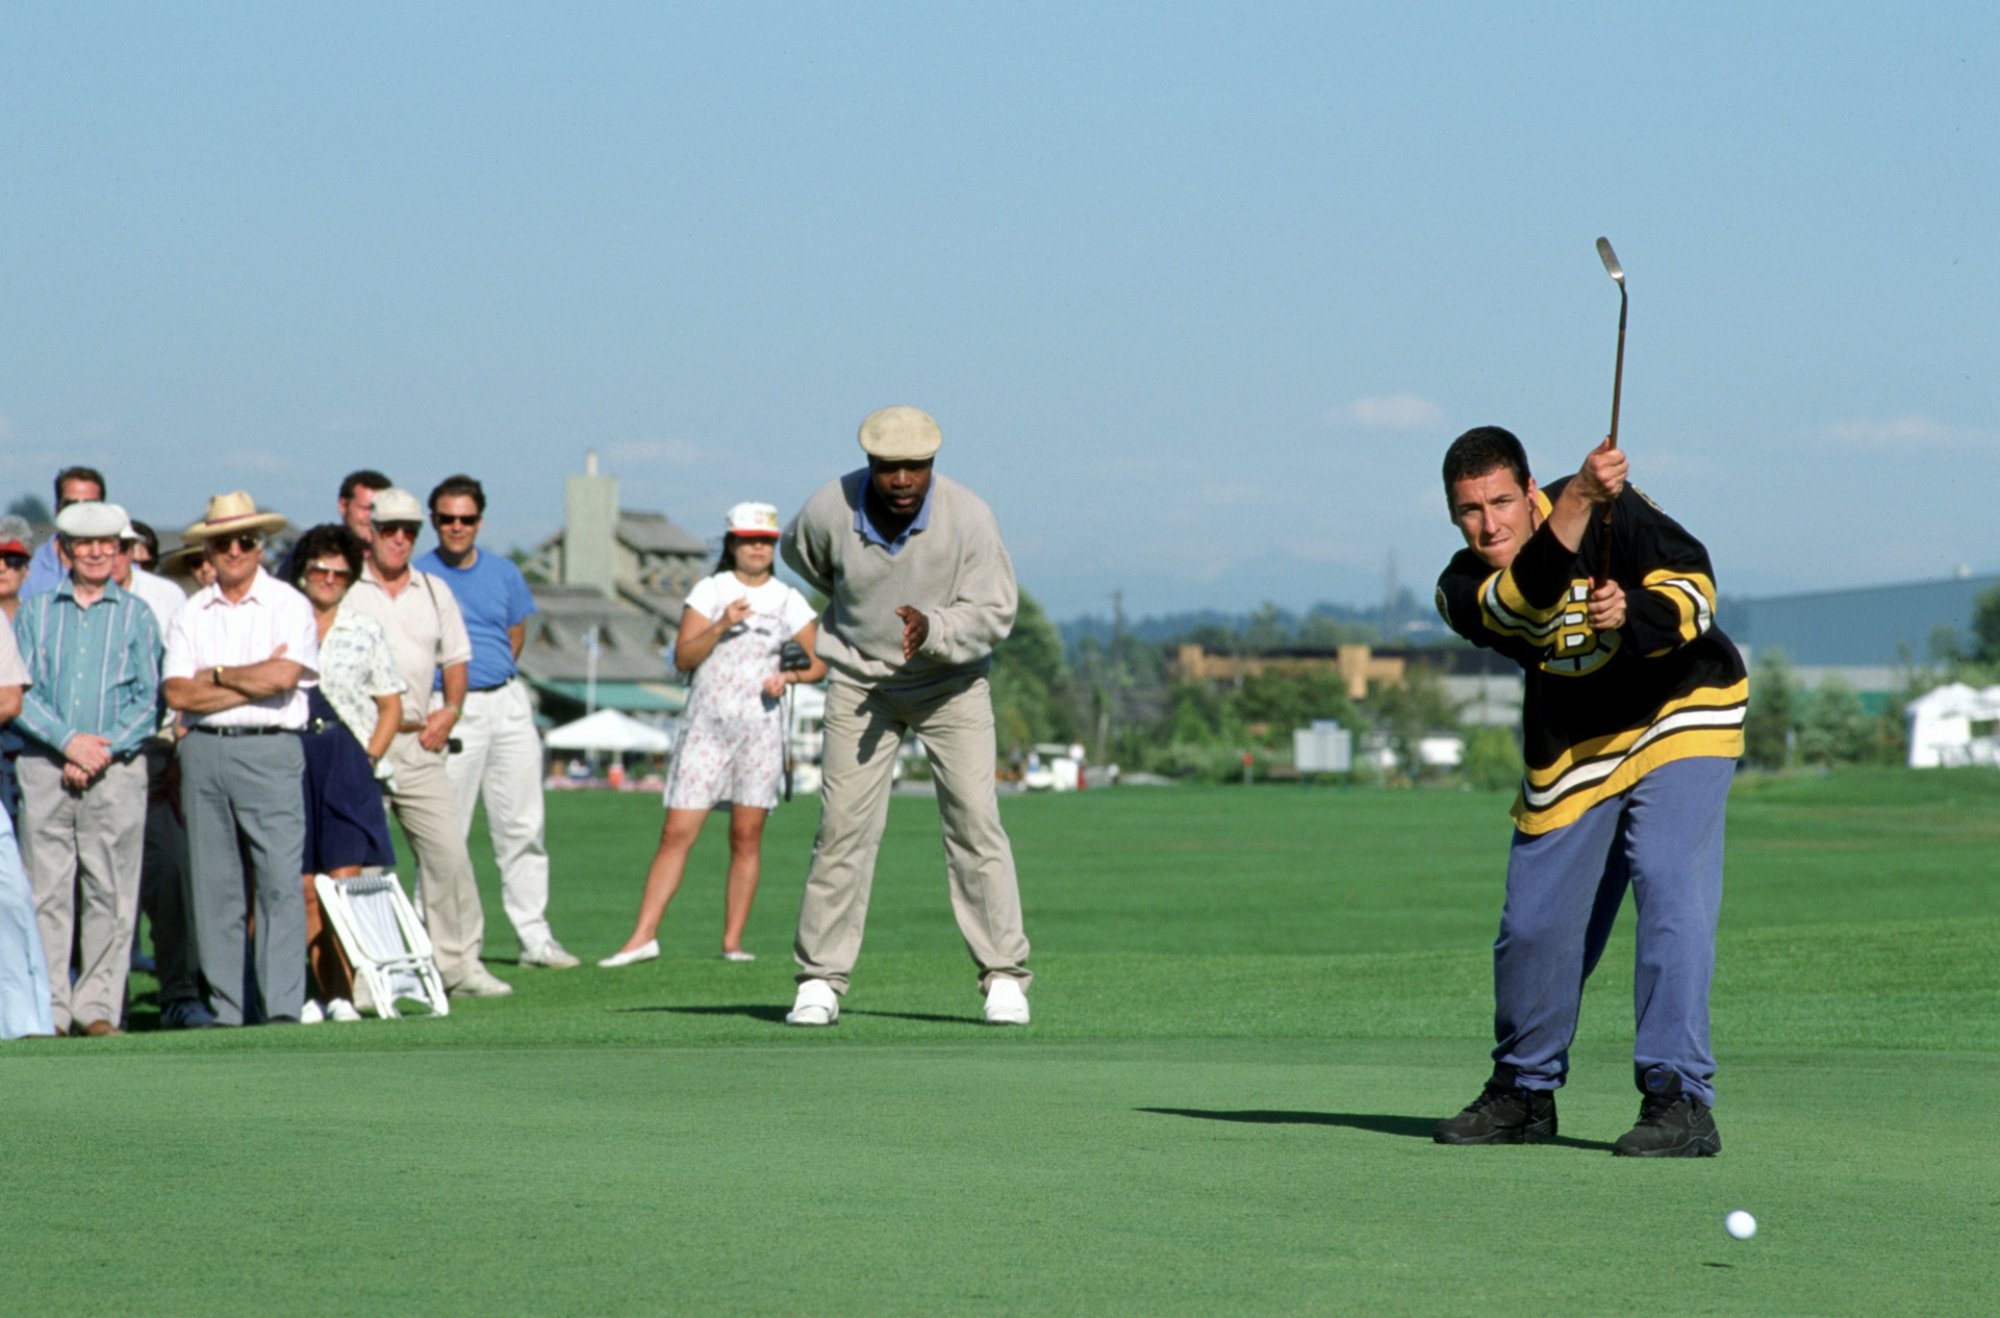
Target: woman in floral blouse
(356, 706)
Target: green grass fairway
(1250, 1008)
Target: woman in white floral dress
(732, 738)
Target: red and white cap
(754, 521)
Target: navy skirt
(345, 821)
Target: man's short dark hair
(1483, 449)
(149, 538)
(459, 486)
(327, 538)
(366, 479)
(91, 474)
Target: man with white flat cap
(92, 651)
(920, 589)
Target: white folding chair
(384, 942)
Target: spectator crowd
(195, 736)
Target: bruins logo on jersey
(1574, 648)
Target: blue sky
(1198, 293)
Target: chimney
(590, 529)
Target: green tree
(1408, 711)
(1773, 713)
(1030, 680)
(1279, 703)
(1492, 758)
(30, 507)
(1835, 729)
(1986, 626)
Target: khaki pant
(82, 854)
(447, 892)
(503, 759)
(864, 729)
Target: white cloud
(1913, 431)
(674, 452)
(1389, 412)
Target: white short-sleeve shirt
(711, 595)
(211, 630)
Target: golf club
(1617, 273)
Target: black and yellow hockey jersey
(1602, 711)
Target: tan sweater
(956, 571)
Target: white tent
(1953, 725)
(609, 730)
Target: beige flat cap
(900, 434)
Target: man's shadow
(1377, 1123)
(767, 1012)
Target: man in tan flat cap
(920, 590)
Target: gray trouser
(447, 892)
(864, 729)
(1663, 839)
(245, 806)
(82, 854)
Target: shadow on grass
(1374, 1122)
(764, 1011)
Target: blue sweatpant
(1663, 839)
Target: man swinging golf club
(1632, 725)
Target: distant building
(1863, 627)
(616, 584)
(1355, 665)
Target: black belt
(482, 690)
(243, 732)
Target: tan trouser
(447, 892)
(82, 853)
(864, 729)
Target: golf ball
(1740, 1224)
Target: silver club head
(1610, 259)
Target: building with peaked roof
(606, 618)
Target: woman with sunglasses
(355, 709)
(732, 738)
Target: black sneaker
(1504, 1113)
(1671, 1124)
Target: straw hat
(230, 514)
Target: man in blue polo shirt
(502, 755)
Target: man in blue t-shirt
(502, 755)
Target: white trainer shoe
(817, 1004)
(645, 951)
(1005, 1003)
(340, 1009)
(550, 956)
(479, 982)
(310, 1014)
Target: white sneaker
(817, 1004)
(645, 951)
(739, 955)
(310, 1014)
(550, 956)
(340, 1009)
(479, 982)
(1005, 1003)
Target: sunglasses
(408, 529)
(332, 571)
(455, 519)
(18, 562)
(242, 544)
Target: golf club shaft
(1617, 389)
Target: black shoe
(1504, 1113)
(1671, 1124)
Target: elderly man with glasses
(92, 652)
(428, 638)
(46, 568)
(236, 653)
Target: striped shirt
(91, 670)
